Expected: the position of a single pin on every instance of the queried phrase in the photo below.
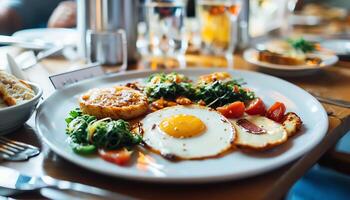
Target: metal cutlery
(28, 59)
(337, 102)
(36, 44)
(12, 182)
(41, 55)
(57, 194)
(11, 150)
(47, 49)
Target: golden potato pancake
(117, 102)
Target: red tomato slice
(256, 107)
(276, 112)
(119, 157)
(233, 110)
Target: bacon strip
(250, 127)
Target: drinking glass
(218, 22)
(107, 47)
(268, 15)
(166, 26)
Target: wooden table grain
(332, 82)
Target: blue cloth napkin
(321, 183)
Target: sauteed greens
(220, 93)
(214, 94)
(169, 86)
(87, 134)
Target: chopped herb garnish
(302, 45)
(169, 86)
(220, 93)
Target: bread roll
(14, 91)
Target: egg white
(217, 138)
(275, 133)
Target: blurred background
(164, 34)
(166, 29)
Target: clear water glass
(166, 28)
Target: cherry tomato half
(119, 157)
(276, 112)
(233, 110)
(256, 107)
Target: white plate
(236, 165)
(306, 20)
(339, 46)
(251, 56)
(55, 36)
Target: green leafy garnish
(171, 77)
(220, 93)
(169, 86)
(113, 134)
(302, 45)
(83, 149)
(214, 93)
(77, 124)
(86, 133)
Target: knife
(13, 182)
(337, 102)
(36, 44)
(55, 194)
(36, 58)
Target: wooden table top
(332, 82)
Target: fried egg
(187, 132)
(258, 132)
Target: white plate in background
(339, 46)
(55, 36)
(251, 56)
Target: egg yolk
(182, 126)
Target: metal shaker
(104, 47)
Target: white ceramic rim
(182, 180)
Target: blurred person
(24, 14)
(64, 16)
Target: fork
(11, 150)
